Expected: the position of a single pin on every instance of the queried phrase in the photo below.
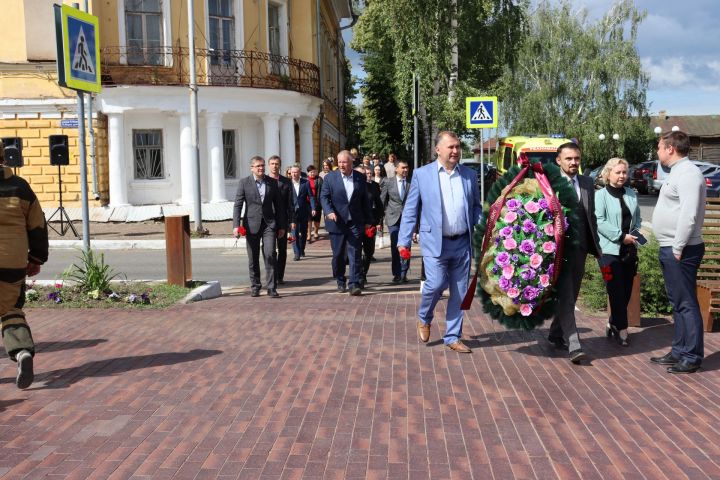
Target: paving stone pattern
(332, 386)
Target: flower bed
(122, 295)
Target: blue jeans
(680, 285)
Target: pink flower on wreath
(549, 247)
(532, 207)
(544, 281)
(536, 260)
(549, 229)
(508, 271)
(510, 217)
(509, 243)
(513, 292)
(525, 310)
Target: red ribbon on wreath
(494, 214)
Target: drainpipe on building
(93, 158)
(318, 42)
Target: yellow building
(269, 76)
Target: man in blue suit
(347, 212)
(303, 207)
(445, 200)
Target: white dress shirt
(454, 204)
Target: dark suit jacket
(303, 202)
(285, 187)
(376, 206)
(392, 201)
(589, 235)
(271, 209)
(334, 200)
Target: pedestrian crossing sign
(481, 112)
(78, 46)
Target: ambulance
(537, 147)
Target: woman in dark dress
(315, 186)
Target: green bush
(653, 299)
(92, 274)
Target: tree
(398, 38)
(351, 116)
(580, 79)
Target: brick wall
(34, 130)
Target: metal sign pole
(482, 167)
(197, 208)
(83, 173)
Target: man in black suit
(376, 218)
(274, 164)
(265, 219)
(563, 330)
(394, 193)
(303, 208)
(347, 212)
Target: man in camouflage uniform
(23, 248)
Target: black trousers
(267, 236)
(281, 257)
(619, 275)
(368, 250)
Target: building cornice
(31, 67)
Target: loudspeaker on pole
(12, 148)
(59, 152)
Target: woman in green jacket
(618, 214)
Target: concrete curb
(208, 291)
(146, 244)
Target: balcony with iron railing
(231, 68)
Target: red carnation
(404, 253)
(370, 231)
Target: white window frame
(167, 33)
(283, 21)
(238, 14)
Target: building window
(229, 153)
(144, 30)
(221, 23)
(148, 154)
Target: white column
(307, 154)
(117, 168)
(287, 140)
(271, 125)
(216, 165)
(187, 192)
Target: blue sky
(679, 46)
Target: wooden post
(177, 249)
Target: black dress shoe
(280, 281)
(558, 342)
(273, 294)
(403, 279)
(683, 366)
(396, 279)
(355, 291)
(577, 356)
(296, 258)
(342, 288)
(255, 292)
(667, 359)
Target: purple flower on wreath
(506, 231)
(497, 240)
(504, 283)
(517, 228)
(543, 203)
(521, 212)
(502, 259)
(527, 273)
(527, 247)
(530, 293)
(551, 270)
(495, 269)
(539, 234)
(529, 226)
(566, 223)
(515, 258)
(513, 204)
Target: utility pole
(416, 105)
(197, 208)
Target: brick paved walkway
(330, 386)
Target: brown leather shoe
(423, 332)
(459, 347)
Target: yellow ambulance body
(543, 148)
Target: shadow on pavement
(65, 377)
(59, 346)
(4, 404)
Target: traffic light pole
(83, 173)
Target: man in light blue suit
(444, 200)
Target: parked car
(712, 183)
(640, 176)
(659, 173)
(490, 173)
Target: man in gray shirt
(677, 222)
